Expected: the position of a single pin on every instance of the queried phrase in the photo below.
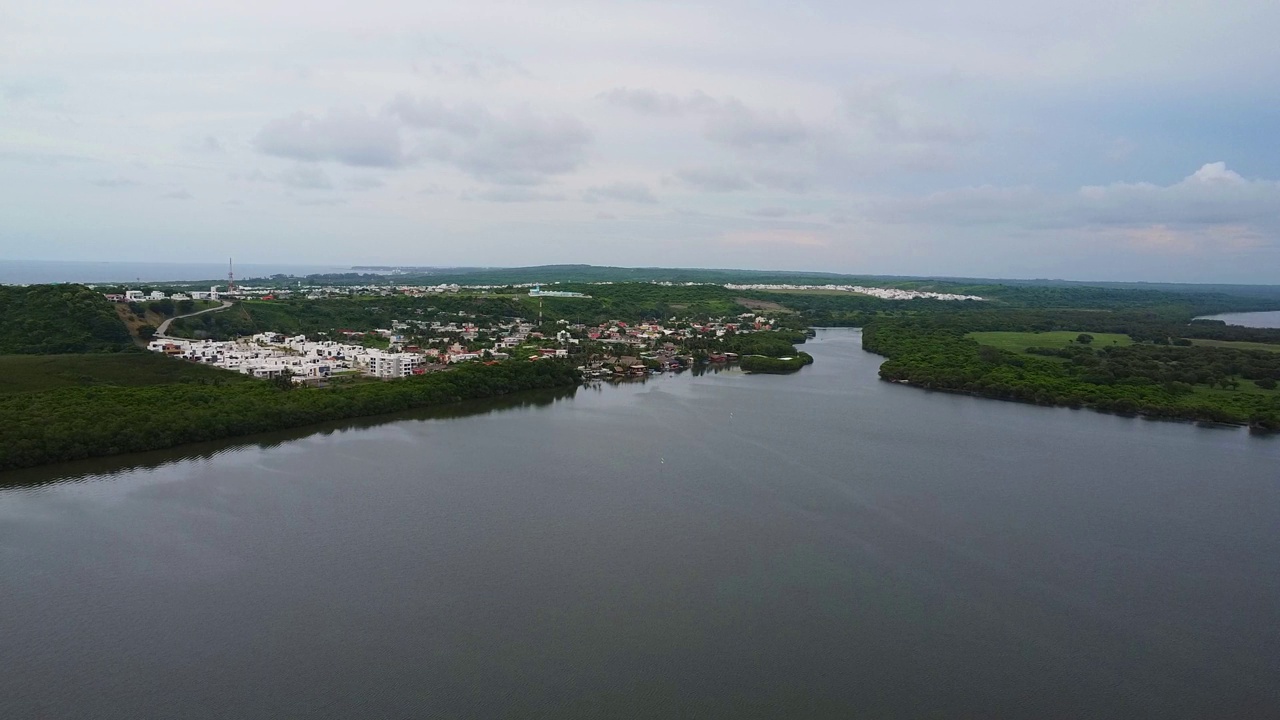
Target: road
(164, 326)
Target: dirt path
(164, 326)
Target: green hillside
(50, 319)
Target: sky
(1084, 140)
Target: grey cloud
(364, 182)
(513, 195)
(728, 121)
(621, 191)
(31, 88)
(517, 148)
(321, 202)
(351, 137)
(1212, 196)
(465, 120)
(651, 102)
(715, 179)
(891, 116)
(525, 148)
(736, 124)
(306, 177)
(178, 194)
(438, 58)
(985, 205)
(210, 143)
(790, 181)
(43, 158)
(115, 182)
(772, 211)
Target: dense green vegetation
(1043, 293)
(639, 301)
(1238, 345)
(1114, 349)
(34, 373)
(777, 343)
(766, 364)
(44, 319)
(1160, 380)
(78, 422)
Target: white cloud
(939, 140)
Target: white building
(393, 365)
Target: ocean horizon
(31, 272)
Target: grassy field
(33, 373)
(1237, 345)
(1020, 341)
(1247, 387)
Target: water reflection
(98, 468)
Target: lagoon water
(1250, 319)
(719, 545)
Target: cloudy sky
(1087, 139)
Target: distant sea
(28, 272)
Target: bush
(765, 364)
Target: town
(425, 339)
(879, 292)
(415, 347)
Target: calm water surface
(818, 545)
(1250, 319)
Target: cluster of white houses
(880, 292)
(418, 346)
(268, 355)
(140, 296)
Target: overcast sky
(1087, 139)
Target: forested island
(74, 383)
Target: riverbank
(1192, 383)
(71, 423)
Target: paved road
(164, 326)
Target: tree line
(80, 422)
(1153, 380)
